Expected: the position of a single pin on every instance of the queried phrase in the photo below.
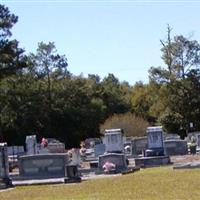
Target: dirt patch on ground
(185, 159)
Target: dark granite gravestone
(176, 147)
(5, 180)
(72, 174)
(99, 149)
(43, 166)
(198, 140)
(139, 145)
(154, 155)
(155, 141)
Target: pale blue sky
(104, 37)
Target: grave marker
(155, 141)
(31, 145)
(5, 180)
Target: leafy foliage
(132, 125)
(38, 95)
(11, 56)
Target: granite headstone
(31, 145)
(5, 180)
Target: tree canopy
(39, 95)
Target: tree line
(39, 95)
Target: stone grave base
(118, 159)
(188, 165)
(5, 183)
(152, 161)
(72, 180)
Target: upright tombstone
(198, 143)
(139, 145)
(72, 173)
(198, 140)
(75, 157)
(113, 140)
(154, 155)
(128, 146)
(155, 141)
(114, 151)
(99, 149)
(5, 180)
(31, 145)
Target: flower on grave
(108, 166)
(193, 142)
(82, 151)
(44, 142)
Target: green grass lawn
(161, 183)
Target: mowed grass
(161, 183)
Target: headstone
(155, 141)
(51, 145)
(15, 150)
(176, 147)
(171, 137)
(139, 145)
(5, 180)
(191, 135)
(154, 155)
(198, 140)
(154, 137)
(128, 146)
(55, 146)
(43, 166)
(72, 174)
(31, 145)
(119, 160)
(91, 142)
(74, 157)
(99, 149)
(193, 139)
(13, 153)
(114, 150)
(113, 140)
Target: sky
(101, 37)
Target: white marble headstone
(75, 157)
(31, 145)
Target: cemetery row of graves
(49, 161)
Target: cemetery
(40, 164)
(49, 161)
(113, 113)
